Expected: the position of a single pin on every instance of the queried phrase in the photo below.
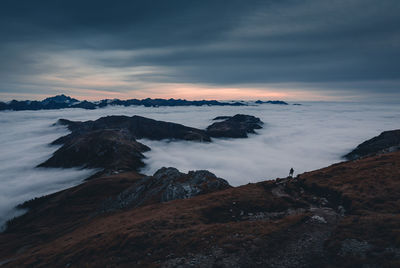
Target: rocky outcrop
(139, 127)
(112, 150)
(110, 142)
(272, 102)
(165, 185)
(237, 126)
(387, 141)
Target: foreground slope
(345, 215)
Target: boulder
(165, 185)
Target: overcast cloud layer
(125, 49)
(303, 137)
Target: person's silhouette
(291, 172)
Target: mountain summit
(60, 99)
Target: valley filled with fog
(305, 137)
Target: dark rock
(22, 105)
(355, 248)
(107, 149)
(221, 118)
(3, 106)
(165, 185)
(237, 104)
(272, 102)
(387, 141)
(56, 102)
(49, 105)
(139, 127)
(85, 105)
(237, 126)
(110, 142)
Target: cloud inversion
(304, 137)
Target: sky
(210, 49)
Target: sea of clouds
(305, 137)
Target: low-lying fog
(304, 137)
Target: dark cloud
(352, 42)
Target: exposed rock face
(165, 185)
(387, 141)
(237, 126)
(109, 149)
(139, 127)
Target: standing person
(291, 171)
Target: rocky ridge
(165, 185)
(138, 126)
(387, 141)
(237, 126)
(271, 102)
(110, 142)
(112, 149)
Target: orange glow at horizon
(196, 92)
(201, 92)
(186, 91)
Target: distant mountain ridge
(62, 101)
